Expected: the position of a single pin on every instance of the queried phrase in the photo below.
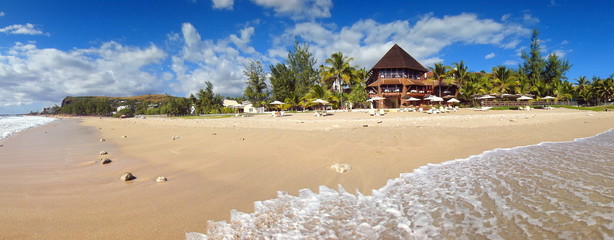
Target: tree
(460, 73)
(317, 91)
(208, 102)
(359, 94)
(283, 84)
(439, 73)
(338, 73)
(256, 89)
(301, 64)
(504, 80)
(533, 66)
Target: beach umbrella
(524, 98)
(320, 101)
(277, 103)
(453, 100)
(548, 98)
(437, 99)
(429, 98)
(412, 99)
(376, 98)
(486, 97)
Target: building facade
(397, 77)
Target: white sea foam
(10, 125)
(546, 191)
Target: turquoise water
(547, 191)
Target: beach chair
(381, 112)
(282, 113)
(371, 112)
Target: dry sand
(52, 189)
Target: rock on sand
(105, 161)
(127, 177)
(161, 179)
(341, 167)
(103, 153)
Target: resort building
(398, 76)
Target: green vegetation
(594, 108)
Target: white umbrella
(548, 98)
(486, 97)
(376, 98)
(437, 99)
(524, 98)
(430, 97)
(277, 103)
(453, 100)
(412, 99)
(320, 101)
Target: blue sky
(53, 49)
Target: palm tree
(339, 71)
(460, 73)
(504, 80)
(439, 72)
(317, 91)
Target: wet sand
(52, 189)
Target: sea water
(547, 191)
(10, 125)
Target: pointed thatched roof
(396, 57)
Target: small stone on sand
(341, 167)
(103, 153)
(105, 161)
(127, 177)
(176, 137)
(513, 120)
(161, 179)
(379, 121)
(365, 125)
(124, 136)
(102, 140)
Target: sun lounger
(372, 112)
(482, 109)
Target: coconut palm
(440, 72)
(339, 72)
(504, 80)
(318, 92)
(460, 73)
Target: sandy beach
(52, 188)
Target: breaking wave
(10, 125)
(550, 190)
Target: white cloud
(490, 55)
(298, 9)
(530, 20)
(30, 74)
(223, 4)
(215, 61)
(27, 29)
(2, 14)
(564, 42)
(367, 40)
(505, 17)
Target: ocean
(11, 124)
(561, 190)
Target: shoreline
(216, 165)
